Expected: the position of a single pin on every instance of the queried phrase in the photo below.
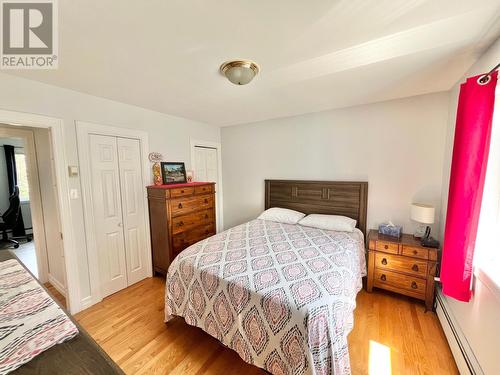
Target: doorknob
(120, 225)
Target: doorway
(29, 203)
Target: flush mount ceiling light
(239, 72)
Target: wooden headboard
(320, 197)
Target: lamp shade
(422, 213)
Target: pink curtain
(468, 170)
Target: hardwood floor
(56, 294)
(391, 334)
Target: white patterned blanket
(30, 321)
(282, 296)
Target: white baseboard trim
(465, 359)
(56, 284)
(87, 302)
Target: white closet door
(129, 160)
(206, 164)
(108, 213)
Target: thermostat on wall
(73, 170)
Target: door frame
(218, 187)
(35, 201)
(21, 119)
(83, 130)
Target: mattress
(282, 296)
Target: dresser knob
(414, 285)
(386, 247)
(182, 191)
(383, 278)
(180, 205)
(415, 268)
(206, 216)
(207, 231)
(415, 252)
(206, 200)
(180, 223)
(204, 189)
(384, 261)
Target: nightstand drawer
(387, 247)
(416, 252)
(401, 264)
(396, 282)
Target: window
(22, 176)
(487, 252)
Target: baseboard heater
(462, 352)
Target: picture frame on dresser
(173, 172)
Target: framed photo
(173, 172)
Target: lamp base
(422, 231)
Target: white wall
(397, 146)
(479, 318)
(167, 134)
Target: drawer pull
(180, 223)
(204, 189)
(414, 285)
(206, 216)
(207, 231)
(415, 252)
(384, 261)
(182, 191)
(206, 200)
(415, 268)
(383, 278)
(386, 247)
(180, 205)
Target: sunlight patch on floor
(379, 359)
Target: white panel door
(108, 220)
(206, 164)
(134, 229)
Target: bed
(282, 296)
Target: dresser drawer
(396, 282)
(185, 223)
(184, 239)
(399, 263)
(203, 189)
(416, 252)
(191, 204)
(181, 192)
(387, 247)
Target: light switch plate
(72, 170)
(73, 193)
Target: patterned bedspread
(282, 296)
(30, 321)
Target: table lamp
(423, 214)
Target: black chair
(10, 218)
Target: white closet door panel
(107, 213)
(211, 164)
(132, 190)
(200, 174)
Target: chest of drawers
(180, 215)
(402, 266)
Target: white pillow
(281, 215)
(329, 222)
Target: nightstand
(402, 266)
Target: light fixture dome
(239, 72)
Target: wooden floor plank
(129, 326)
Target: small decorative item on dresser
(173, 173)
(402, 265)
(390, 229)
(155, 158)
(189, 176)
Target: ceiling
(314, 55)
